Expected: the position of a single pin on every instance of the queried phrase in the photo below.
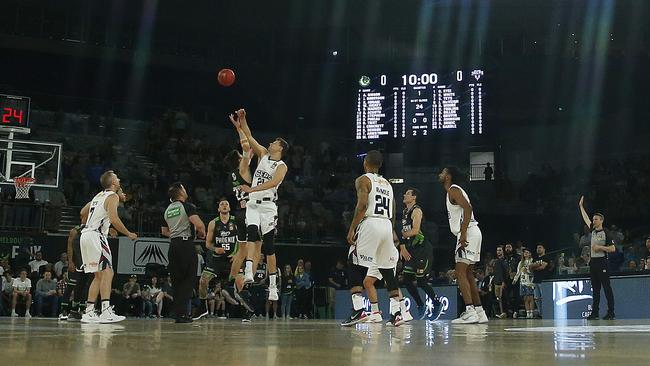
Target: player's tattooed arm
(362, 185)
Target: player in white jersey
(261, 209)
(468, 245)
(371, 240)
(95, 252)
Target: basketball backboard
(37, 159)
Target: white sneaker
(108, 316)
(90, 317)
(63, 316)
(406, 316)
(467, 317)
(375, 318)
(482, 317)
(27, 315)
(273, 294)
(248, 277)
(14, 314)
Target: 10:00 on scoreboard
(407, 105)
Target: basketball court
(302, 342)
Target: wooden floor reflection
(314, 343)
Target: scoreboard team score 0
(395, 106)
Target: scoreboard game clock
(399, 106)
(14, 112)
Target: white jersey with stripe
(455, 213)
(265, 171)
(97, 215)
(380, 197)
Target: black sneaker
(202, 312)
(437, 309)
(593, 316)
(357, 316)
(610, 316)
(183, 319)
(246, 318)
(74, 316)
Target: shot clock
(14, 111)
(396, 106)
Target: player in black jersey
(222, 247)
(240, 174)
(417, 253)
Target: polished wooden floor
(312, 342)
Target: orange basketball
(226, 77)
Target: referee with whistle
(179, 218)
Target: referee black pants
(182, 269)
(600, 278)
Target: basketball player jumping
(240, 174)
(261, 210)
(371, 240)
(468, 245)
(96, 254)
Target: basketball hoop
(23, 184)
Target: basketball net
(23, 184)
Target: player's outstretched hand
(234, 121)
(132, 236)
(241, 116)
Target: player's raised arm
(363, 186)
(585, 217)
(258, 149)
(247, 151)
(111, 207)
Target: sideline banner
(133, 256)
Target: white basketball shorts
(264, 215)
(472, 252)
(374, 244)
(95, 252)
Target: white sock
(469, 308)
(105, 305)
(394, 305)
(249, 267)
(357, 301)
(374, 307)
(272, 278)
(479, 308)
(90, 307)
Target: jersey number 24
(382, 205)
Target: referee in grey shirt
(179, 218)
(601, 243)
